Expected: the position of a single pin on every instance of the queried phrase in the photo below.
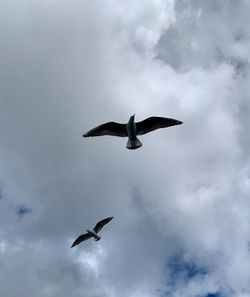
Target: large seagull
(92, 233)
(132, 129)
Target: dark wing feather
(153, 123)
(81, 238)
(110, 128)
(100, 224)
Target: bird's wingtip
(109, 218)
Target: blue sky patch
(182, 269)
(22, 210)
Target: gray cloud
(66, 67)
(1, 193)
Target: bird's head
(132, 118)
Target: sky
(181, 203)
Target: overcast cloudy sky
(181, 203)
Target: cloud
(66, 67)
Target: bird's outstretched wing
(153, 123)
(100, 224)
(81, 238)
(110, 128)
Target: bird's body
(132, 129)
(92, 233)
(133, 141)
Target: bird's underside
(154, 123)
(110, 128)
(143, 127)
(92, 233)
(81, 238)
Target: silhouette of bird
(132, 129)
(92, 233)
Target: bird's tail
(133, 144)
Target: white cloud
(69, 66)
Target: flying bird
(92, 233)
(132, 129)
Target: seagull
(132, 129)
(92, 233)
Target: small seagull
(92, 233)
(132, 129)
